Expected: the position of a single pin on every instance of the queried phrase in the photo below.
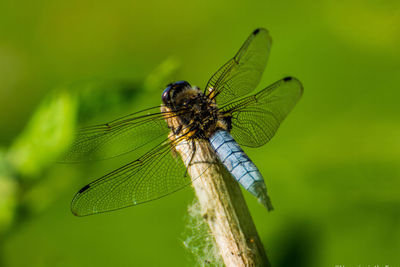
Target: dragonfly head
(172, 90)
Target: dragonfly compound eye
(173, 90)
(166, 94)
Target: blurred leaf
(46, 135)
(8, 195)
(41, 196)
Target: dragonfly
(223, 115)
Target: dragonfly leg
(191, 157)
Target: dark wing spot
(256, 31)
(83, 189)
(286, 79)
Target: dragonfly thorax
(196, 114)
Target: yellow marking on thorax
(174, 122)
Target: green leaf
(46, 136)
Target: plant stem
(223, 207)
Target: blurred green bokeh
(333, 169)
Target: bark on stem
(223, 207)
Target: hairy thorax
(193, 115)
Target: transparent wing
(119, 136)
(256, 118)
(240, 75)
(154, 175)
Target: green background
(332, 170)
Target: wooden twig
(223, 207)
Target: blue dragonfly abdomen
(240, 166)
